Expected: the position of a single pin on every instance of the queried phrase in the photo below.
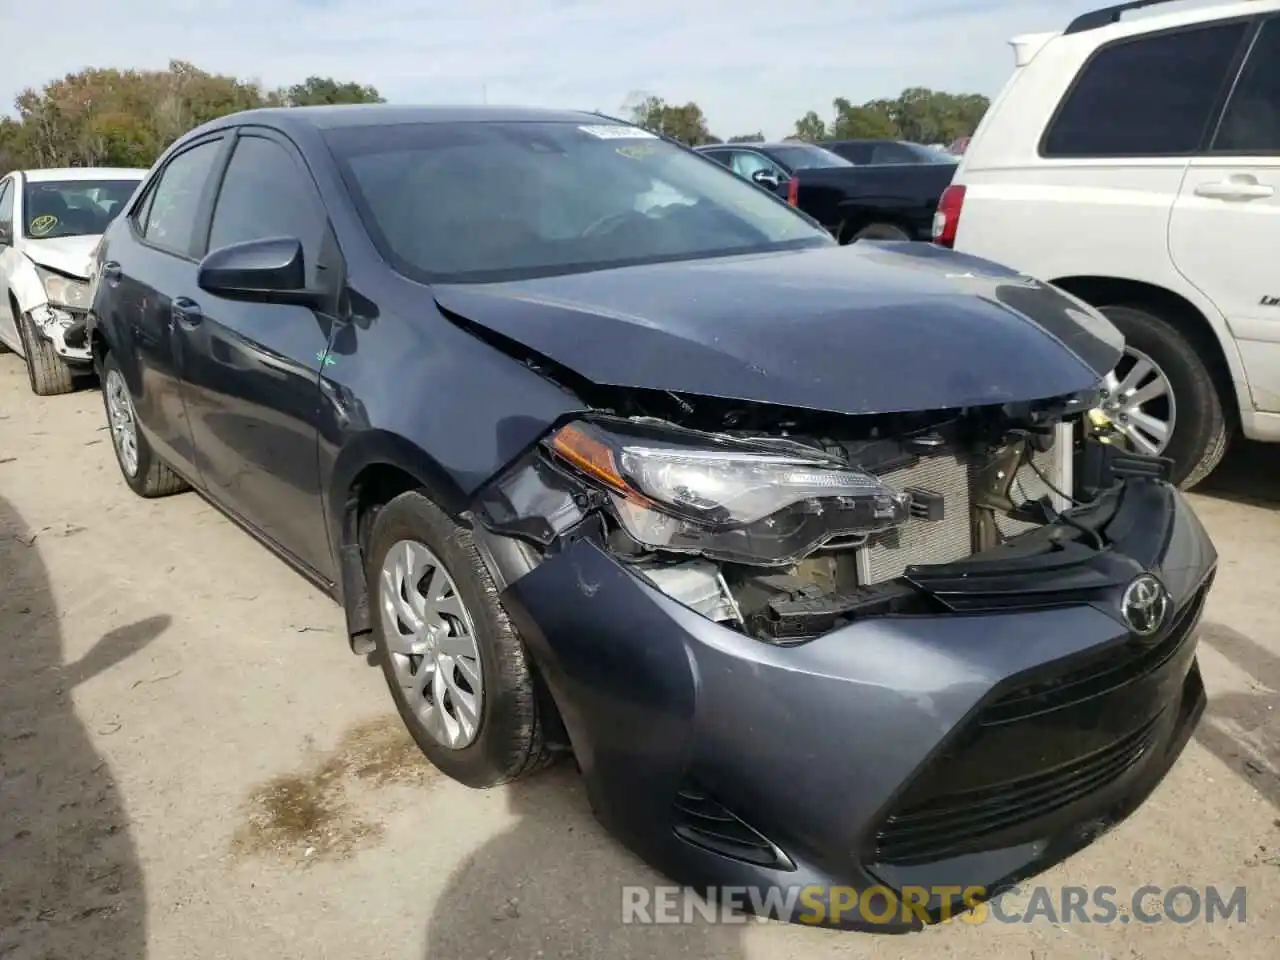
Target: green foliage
(919, 114)
(315, 91)
(685, 123)
(128, 117)
(810, 127)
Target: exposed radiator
(886, 555)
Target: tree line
(918, 114)
(126, 118)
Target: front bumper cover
(65, 329)
(922, 753)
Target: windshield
(807, 156)
(72, 208)
(930, 154)
(475, 202)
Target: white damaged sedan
(50, 222)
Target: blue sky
(751, 64)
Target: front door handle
(186, 312)
(1242, 187)
(111, 272)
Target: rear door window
(1152, 96)
(1251, 123)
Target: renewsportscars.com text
(1146, 904)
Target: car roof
(83, 173)
(1117, 24)
(757, 145)
(331, 117)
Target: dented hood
(70, 255)
(868, 328)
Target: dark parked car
(605, 450)
(885, 202)
(886, 152)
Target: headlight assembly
(736, 501)
(63, 291)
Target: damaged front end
(786, 530)
(62, 317)
(806, 651)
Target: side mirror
(6, 234)
(266, 271)
(766, 178)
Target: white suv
(1134, 161)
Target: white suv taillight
(947, 220)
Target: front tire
(47, 372)
(460, 677)
(145, 473)
(1163, 397)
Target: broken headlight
(62, 291)
(752, 502)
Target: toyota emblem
(1144, 605)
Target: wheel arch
(1189, 319)
(855, 217)
(368, 473)
(379, 469)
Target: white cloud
(750, 64)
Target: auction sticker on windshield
(613, 131)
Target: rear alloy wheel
(880, 231)
(143, 471)
(1162, 398)
(47, 372)
(458, 673)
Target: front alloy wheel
(431, 641)
(124, 428)
(1138, 400)
(1162, 397)
(460, 676)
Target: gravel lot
(192, 764)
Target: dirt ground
(192, 764)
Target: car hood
(69, 255)
(868, 328)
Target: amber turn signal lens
(589, 455)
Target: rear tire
(47, 372)
(507, 740)
(145, 473)
(1201, 432)
(880, 231)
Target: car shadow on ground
(70, 880)
(551, 886)
(1242, 729)
(1249, 474)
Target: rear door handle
(1243, 187)
(111, 272)
(186, 312)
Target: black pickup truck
(854, 202)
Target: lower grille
(949, 825)
(1041, 747)
(922, 542)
